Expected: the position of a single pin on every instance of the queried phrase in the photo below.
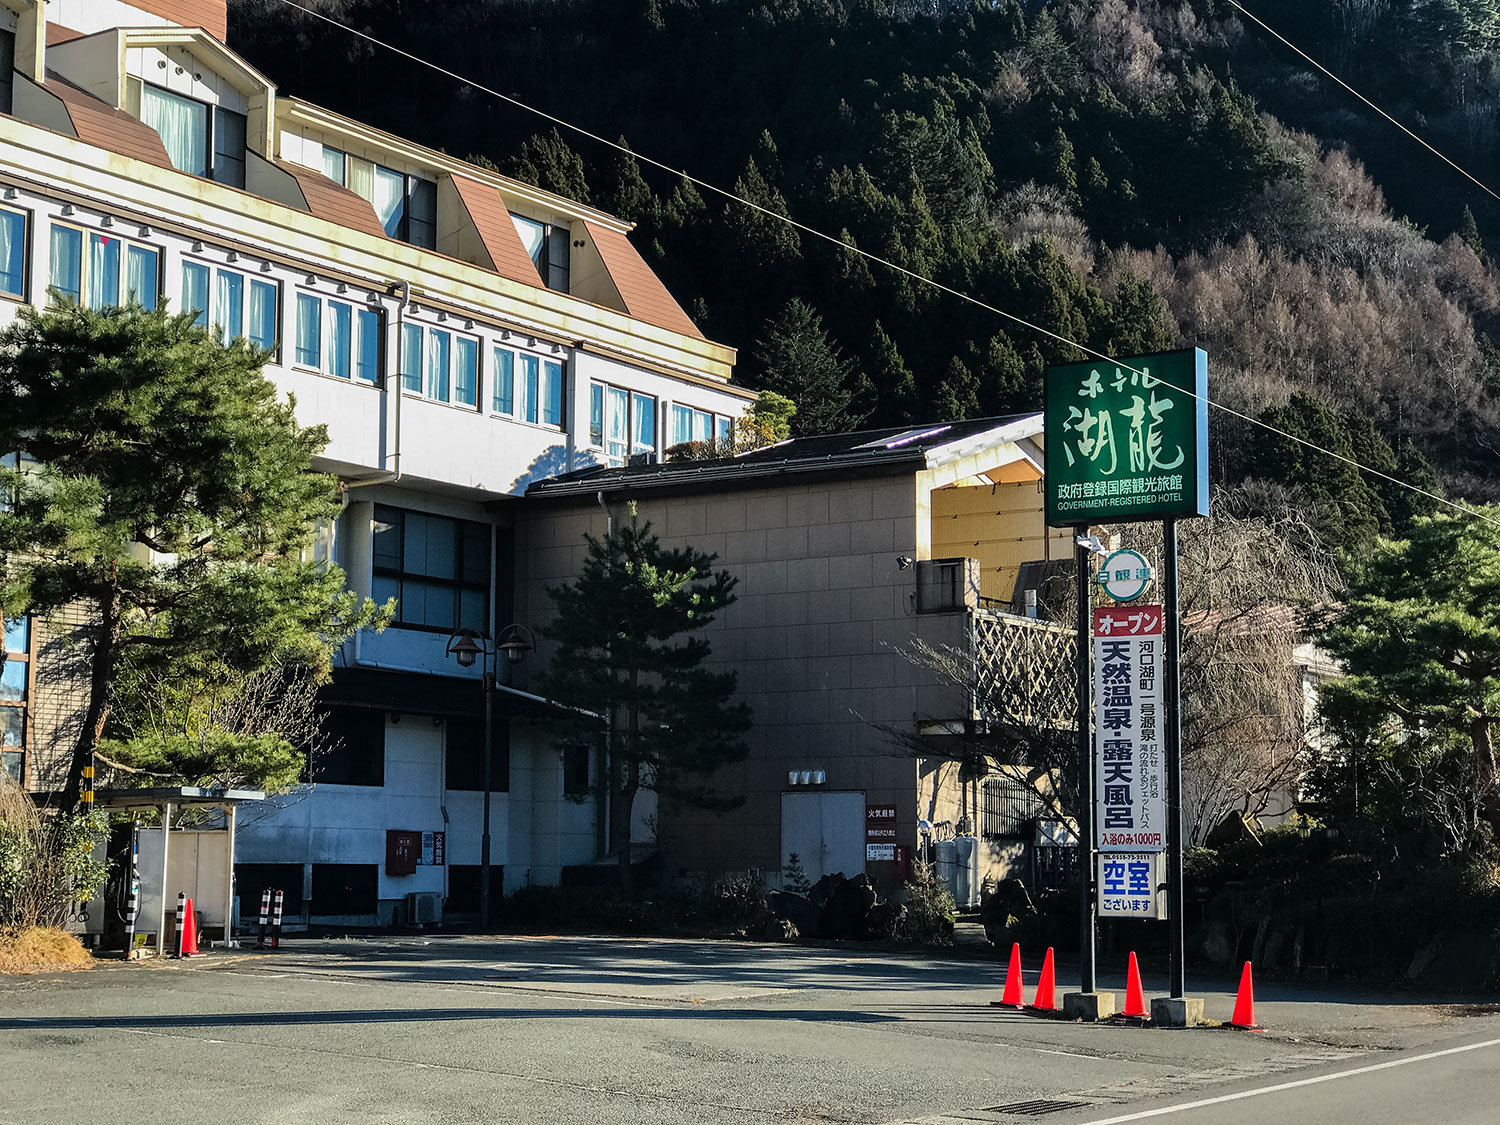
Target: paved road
(566, 1030)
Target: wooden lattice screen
(1026, 671)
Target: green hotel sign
(1127, 439)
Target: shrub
(46, 860)
(930, 909)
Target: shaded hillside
(1099, 168)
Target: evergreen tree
(164, 488)
(799, 361)
(1418, 634)
(546, 161)
(629, 649)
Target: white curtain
(263, 314)
(12, 252)
(504, 389)
(195, 291)
(645, 423)
(333, 164)
(437, 365)
(339, 331)
(390, 194)
(65, 264)
(309, 338)
(615, 411)
(182, 124)
(141, 266)
(104, 271)
(229, 304)
(411, 358)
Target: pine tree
(799, 361)
(546, 161)
(628, 649)
(165, 489)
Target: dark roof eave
(734, 474)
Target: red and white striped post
(276, 923)
(181, 915)
(265, 917)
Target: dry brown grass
(41, 949)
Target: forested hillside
(1133, 174)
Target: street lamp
(466, 646)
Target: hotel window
(234, 304)
(14, 687)
(445, 364)
(338, 338)
(204, 140)
(405, 205)
(437, 569)
(540, 391)
(621, 422)
(547, 245)
(100, 270)
(503, 381)
(12, 254)
(694, 425)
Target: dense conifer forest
(1132, 174)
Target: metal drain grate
(1039, 1107)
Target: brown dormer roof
(211, 15)
(328, 199)
(645, 297)
(57, 33)
(496, 231)
(101, 125)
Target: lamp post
(466, 646)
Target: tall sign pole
(1172, 741)
(1127, 442)
(1088, 928)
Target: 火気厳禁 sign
(1127, 439)
(1130, 782)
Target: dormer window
(201, 139)
(405, 205)
(547, 243)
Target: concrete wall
(822, 605)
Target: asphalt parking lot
(454, 1029)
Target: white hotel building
(462, 335)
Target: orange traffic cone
(1011, 997)
(1045, 999)
(189, 933)
(1135, 995)
(1244, 1004)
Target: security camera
(903, 562)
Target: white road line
(1143, 1114)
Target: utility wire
(868, 256)
(1271, 31)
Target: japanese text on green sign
(1128, 440)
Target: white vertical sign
(1130, 777)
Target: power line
(824, 236)
(1283, 39)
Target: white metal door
(826, 831)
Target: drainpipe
(393, 383)
(609, 516)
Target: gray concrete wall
(822, 607)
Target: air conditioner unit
(636, 460)
(424, 907)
